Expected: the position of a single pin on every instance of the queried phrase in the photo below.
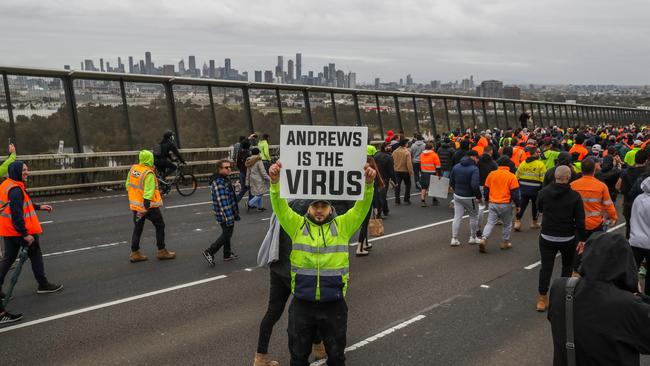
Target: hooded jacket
(465, 179)
(611, 322)
(446, 153)
(462, 152)
(16, 201)
(486, 164)
(386, 166)
(609, 175)
(640, 218)
(563, 211)
(563, 159)
(146, 158)
(416, 149)
(167, 147)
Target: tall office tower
(332, 74)
(211, 73)
(148, 66)
(352, 80)
(401, 82)
(244, 76)
(290, 71)
(377, 83)
(268, 76)
(409, 80)
(130, 64)
(101, 65)
(143, 70)
(298, 66)
(228, 66)
(206, 70)
(108, 67)
(66, 67)
(89, 66)
(120, 65)
(258, 76)
(82, 66)
(279, 68)
(326, 72)
(490, 89)
(340, 79)
(471, 81)
(310, 74)
(168, 70)
(181, 67)
(192, 65)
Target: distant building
(290, 71)
(279, 68)
(352, 80)
(228, 66)
(340, 79)
(490, 89)
(181, 67)
(130, 64)
(191, 62)
(435, 84)
(298, 66)
(332, 72)
(268, 76)
(148, 65)
(511, 92)
(168, 70)
(211, 69)
(409, 80)
(377, 83)
(89, 65)
(258, 76)
(101, 65)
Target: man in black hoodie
(446, 154)
(461, 153)
(20, 229)
(386, 166)
(563, 217)
(163, 155)
(486, 164)
(627, 183)
(611, 320)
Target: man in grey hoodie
(640, 228)
(416, 149)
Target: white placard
(438, 186)
(320, 162)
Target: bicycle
(185, 183)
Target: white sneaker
(473, 240)
(454, 242)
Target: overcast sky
(518, 41)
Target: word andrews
(324, 138)
(324, 182)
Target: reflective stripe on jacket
(429, 161)
(32, 225)
(136, 186)
(531, 173)
(596, 200)
(320, 253)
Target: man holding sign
(320, 251)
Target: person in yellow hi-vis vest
(145, 201)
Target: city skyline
(431, 40)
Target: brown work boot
(535, 225)
(262, 359)
(137, 257)
(542, 300)
(318, 350)
(517, 225)
(481, 245)
(165, 254)
(575, 274)
(505, 245)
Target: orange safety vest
(135, 189)
(429, 161)
(596, 200)
(32, 225)
(517, 155)
(580, 149)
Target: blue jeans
(256, 201)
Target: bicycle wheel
(186, 184)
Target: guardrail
(74, 173)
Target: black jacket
(15, 172)
(461, 153)
(386, 166)
(609, 175)
(485, 165)
(167, 147)
(563, 211)
(628, 179)
(611, 323)
(446, 154)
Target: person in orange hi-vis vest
(518, 154)
(579, 147)
(481, 144)
(597, 203)
(429, 164)
(19, 227)
(145, 202)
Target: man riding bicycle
(162, 155)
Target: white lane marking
(376, 337)
(85, 199)
(84, 249)
(111, 303)
(189, 204)
(415, 229)
(531, 266)
(248, 269)
(266, 219)
(46, 222)
(485, 286)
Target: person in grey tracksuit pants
(464, 180)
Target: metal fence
(95, 122)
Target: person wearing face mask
(19, 227)
(319, 269)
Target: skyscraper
(130, 64)
(268, 76)
(142, 68)
(377, 83)
(228, 66)
(88, 65)
(120, 65)
(181, 67)
(211, 73)
(340, 79)
(168, 70)
(326, 72)
(290, 71)
(352, 80)
(279, 69)
(332, 74)
(192, 65)
(409, 80)
(490, 89)
(101, 65)
(258, 76)
(298, 66)
(147, 60)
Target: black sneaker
(209, 258)
(7, 317)
(49, 288)
(232, 257)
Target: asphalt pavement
(414, 301)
